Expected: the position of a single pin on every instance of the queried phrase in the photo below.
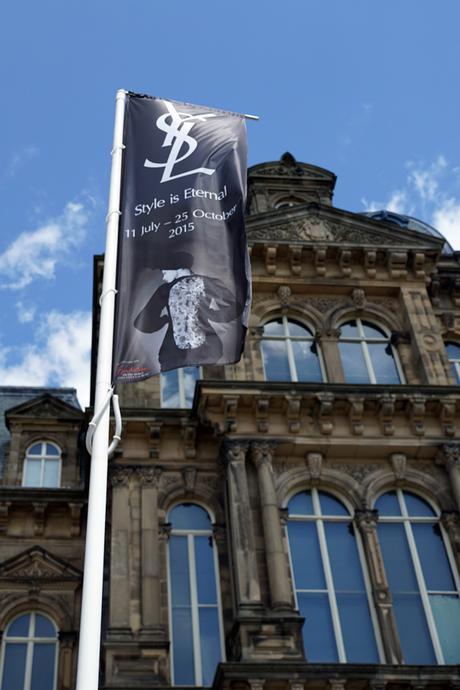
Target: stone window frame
(43, 457)
(287, 338)
(407, 520)
(195, 624)
(365, 566)
(30, 641)
(363, 340)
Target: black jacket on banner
(183, 272)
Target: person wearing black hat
(188, 303)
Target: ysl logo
(177, 136)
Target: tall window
(329, 581)
(453, 352)
(195, 611)
(178, 386)
(29, 653)
(422, 579)
(290, 352)
(42, 465)
(367, 354)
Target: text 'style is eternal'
(183, 275)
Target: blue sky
(368, 89)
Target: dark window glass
(417, 507)
(349, 330)
(373, 331)
(274, 327)
(205, 575)
(413, 629)
(301, 504)
(388, 504)
(318, 633)
(43, 667)
(433, 558)
(14, 666)
(354, 366)
(210, 643)
(330, 505)
(184, 664)
(189, 516)
(276, 360)
(306, 361)
(383, 362)
(397, 558)
(344, 558)
(19, 627)
(308, 570)
(357, 630)
(52, 450)
(43, 627)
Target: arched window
(195, 610)
(42, 465)
(329, 581)
(290, 352)
(178, 386)
(29, 653)
(288, 201)
(453, 352)
(367, 354)
(422, 579)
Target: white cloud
(25, 314)
(59, 356)
(34, 254)
(430, 193)
(18, 160)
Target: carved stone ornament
(366, 520)
(449, 455)
(235, 451)
(120, 475)
(398, 463)
(189, 476)
(314, 464)
(309, 229)
(262, 453)
(284, 293)
(358, 297)
(149, 476)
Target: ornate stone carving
(366, 520)
(358, 472)
(398, 463)
(262, 452)
(386, 414)
(189, 438)
(189, 476)
(315, 465)
(262, 408)
(451, 523)
(295, 258)
(120, 475)
(149, 476)
(235, 451)
(284, 292)
(449, 455)
(358, 297)
(345, 262)
(325, 413)
(293, 407)
(319, 260)
(417, 411)
(230, 410)
(154, 431)
(356, 415)
(164, 531)
(39, 518)
(270, 259)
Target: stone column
(246, 576)
(366, 521)
(328, 342)
(150, 556)
(278, 577)
(426, 340)
(119, 604)
(450, 457)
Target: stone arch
(420, 483)
(202, 495)
(42, 603)
(372, 312)
(307, 314)
(338, 483)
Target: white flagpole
(91, 608)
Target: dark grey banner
(183, 276)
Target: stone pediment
(355, 230)
(288, 166)
(44, 407)
(38, 564)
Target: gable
(44, 407)
(38, 564)
(309, 223)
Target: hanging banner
(183, 275)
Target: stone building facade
(290, 522)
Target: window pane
(51, 473)
(19, 627)
(413, 630)
(383, 363)
(190, 377)
(297, 329)
(318, 633)
(205, 571)
(209, 643)
(397, 559)
(373, 331)
(331, 505)
(169, 389)
(274, 327)
(52, 449)
(43, 667)
(456, 371)
(388, 504)
(306, 361)
(179, 568)
(36, 449)
(354, 366)
(189, 516)
(33, 473)
(357, 630)
(417, 507)
(14, 667)
(44, 627)
(349, 330)
(301, 504)
(184, 667)
(433, 557)
(446, 611)
(453, 350)
(306, 556)
(276, 360)
(344, 558)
